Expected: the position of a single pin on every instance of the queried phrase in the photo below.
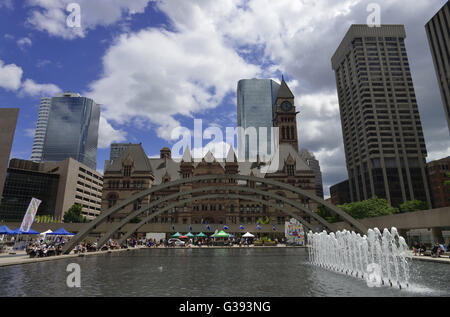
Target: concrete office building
(383, 139)
(438, 32)
(78, 184)
(72, 130)
(41, 129)
(8, 122)
(256, 108)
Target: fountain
(378, 258)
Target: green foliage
(447, 183)
(264, 221)
(327, 215)
(136, 220)
(74, 215)
(373, 207)
(413, 205)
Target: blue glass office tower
(255, 106)
(72, 130)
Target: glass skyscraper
(255, 108)
(72, 130)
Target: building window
(127, 170)
(290, 170)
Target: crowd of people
(45, 247)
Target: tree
(74, 215)
(329, 216)
(413, 205)
(373, 207)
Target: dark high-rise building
(438, 174)
(8, 121)
(72, 130)
(340, 193)
(383, 139)
(438, 32)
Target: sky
(155, 66)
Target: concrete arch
(204, 197)
(177, 195)
(102, 217)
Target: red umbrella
(184, 237)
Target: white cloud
(10, 76)
(30, 132)
(108, 135)
(24, 42)
(158, 74)
(31, 88)
(51, 16)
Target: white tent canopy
(248, 235)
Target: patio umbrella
(222, 234)
(190, 235)
(201, 235)
(176, 235)
(5, 230)
(61, 232)
(184, 237)
(248, 235)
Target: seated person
(415, 247)
(422, 248)
(436, 251)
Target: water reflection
(206, 272)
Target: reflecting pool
(208, 272)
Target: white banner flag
(29, 216)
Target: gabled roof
(231, 157)
(285, 151)
(284, 92)
(187, 157)
(137, 154)
(209, 157)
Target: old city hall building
(134, 172)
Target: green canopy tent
(176, 235)
(222, 234)
(190, 235)
(201, 235)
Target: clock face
(286, 106)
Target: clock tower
(285, 116)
